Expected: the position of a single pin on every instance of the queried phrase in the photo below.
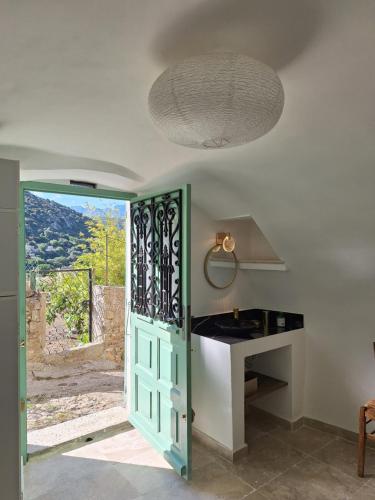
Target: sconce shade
(225, 241)
(229, 243)
(216, 100)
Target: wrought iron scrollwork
(156, 267)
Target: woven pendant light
(217, 100)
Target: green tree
(104, 249)
(68, 295)
(104, 252)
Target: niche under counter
(219, 364)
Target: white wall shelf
(253, 250)
(256, 265)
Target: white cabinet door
(8, 253)
(9, 456)
(9, 176)
(9, 417)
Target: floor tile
(267, 458)
(147, 479)
(182, 492)
(44, 474)
(370, 480)
(216, 479)
(304, 439)
(260, 421)
(259, 424)
(365, 493)
(253, 432)
(120, 447)
(342, 454)
(201, 455)
(256, 495)
(212, 481)
(311, 479)
(108, 484)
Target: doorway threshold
(82, 430)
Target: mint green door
(160, 399)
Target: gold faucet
(236, 313)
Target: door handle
(184, 416)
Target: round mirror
(220, 267)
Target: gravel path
(58, 394)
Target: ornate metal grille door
(160, 326)
(156, 257)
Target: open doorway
(74, 313)
(157, 347)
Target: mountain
(53, 233)
(100, 212)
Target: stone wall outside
(35, 325)
(109, 320)
(108, 335)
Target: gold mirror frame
(205, 267)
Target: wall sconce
(226, 241)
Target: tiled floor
(303, 465)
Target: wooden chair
(366, 415)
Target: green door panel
(160, 349)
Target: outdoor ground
(60, 393)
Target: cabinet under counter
(218, 374)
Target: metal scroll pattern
(156, 248)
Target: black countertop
(206, 325)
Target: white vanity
(218, 372)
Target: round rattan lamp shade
(217, 100)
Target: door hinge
(23, 405)
(186, 323)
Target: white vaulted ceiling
(75, 76)
(74, 82)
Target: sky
(71, 201)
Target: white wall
(205, 299)
(9, 443)
(331, 280)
